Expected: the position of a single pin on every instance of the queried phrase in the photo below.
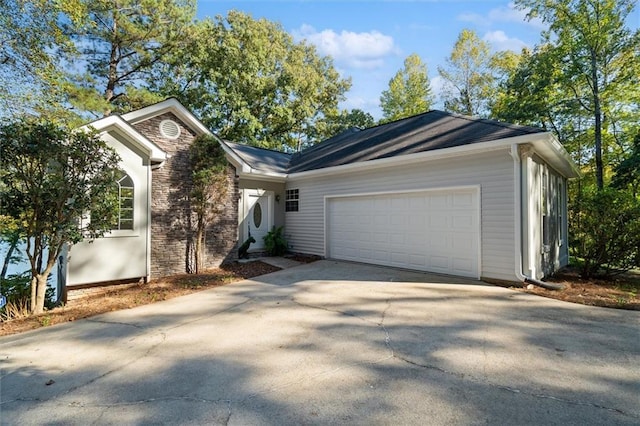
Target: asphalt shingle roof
(264, 160)
(430, 131)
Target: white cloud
(437, 85)
(500, 41)
(474, 18)
(357, 50)
(508, 13)
(359, 102)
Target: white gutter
(517, 178)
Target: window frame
(292, 200)
(121, 198)
(116, 230)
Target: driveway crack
(474, 379)
(462, 376)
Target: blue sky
(369, 40)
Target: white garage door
(437, 231)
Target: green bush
(274, 242)
(605, 231)
(17, 289)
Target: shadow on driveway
(332, 342)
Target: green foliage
(598, 67)
(274, 242)
(52, 179)
(122, 42)
(468, 76)
(627, 173)
(33, 41)
(409, 92)
(209, 190)
(605, 231)
(17, 289)
(251, 83)
(332, 125)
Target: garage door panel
(438, 220)
(463, 222)
(418, 260)
(432, 230)
(463, 200)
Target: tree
(51, 180)
(605, 233)
(468, 76)
(627, 173)
(32, 43)
(409, 92)
(209, 174)
(598, 57)
(121, 43)
(530, 94)
(251, 83)
(332, 125)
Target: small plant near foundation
(274, 242)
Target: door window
(257, 215)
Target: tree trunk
(7, 258)
(199, 246)
(113, 68)
(597, 112)
(34, 287)
(41, 290)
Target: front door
(258, 215)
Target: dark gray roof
(264, 160)
(425, 132)
(430, 131)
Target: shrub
(17, 289)
(605, 231)
(274, 242)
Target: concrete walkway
(332, 343)
(280, 262)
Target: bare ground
(623, 293)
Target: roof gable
(115, 123)
(169, 105)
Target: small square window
(292, 198)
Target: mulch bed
(143, 294)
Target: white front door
(258, 218)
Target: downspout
(517, 175)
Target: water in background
(23, 264)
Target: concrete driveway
(332, 343)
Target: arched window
(125, 202)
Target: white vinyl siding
(492, 171)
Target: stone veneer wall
(172, 222)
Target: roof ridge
(492, 122)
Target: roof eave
(556, 155)
(106, 124)
(260, 175)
